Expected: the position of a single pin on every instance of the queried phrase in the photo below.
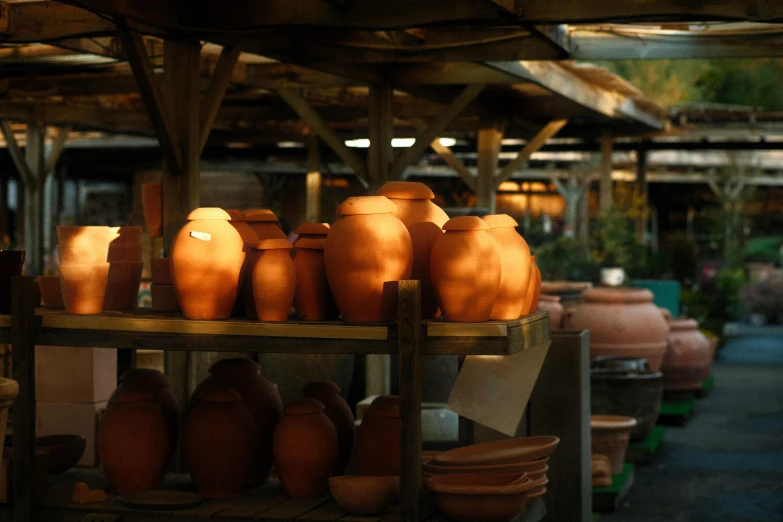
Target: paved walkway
(726, 464)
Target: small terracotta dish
(480, 497)
(537, 490)
(63, 451)
(531, 468)
(523, 449)
(360, 495)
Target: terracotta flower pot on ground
(311, 231)
(610, 435)
(338, 411)
(11, 262)
(82, 256)
(377, 449)
(688, 358)
(551, 304)
(515, 261)
(466, 270)
(122, 286)
(152, 205)
(273, 275)
(84, 287)
(161, 271)
(9, 389)
(313, 299)
(424, 221)
(365, 495)
(366, 252)
(51, 292)
(264, 224)
(164, 298)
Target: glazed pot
(365, 495)
(206, 259)
(217, 443)
(133, 443)
(84, 287)
(261, 400)
(152, 205)
(687, 360)
(122, 286)
(623, 322)
(9, 389)
(610, 435)
(305, 449)
(366, 252)
(51, 292)
(164, 298)
(161, 271)
(533, 289)
(263, 222)
(313, 299)
(377, 450)
(424, 221)
(515, 262)
(250, 239)
(551, 304)
(338, 411)
(273, 277)
(311, 231)
(490, 497)
(466, 270)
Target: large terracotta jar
(338, 411)
(261, 400)
(313, 299)
(273, 277)
(424, 221)
(366, 252)
(311, 231)
(551, 304)
(217, 442)
(133, 443)
(466, 270)
(206, 260)
(623, 322)
(378, 439)
(249, 239)
(305, 449)
(264, 224)
(515, 261)
(687, 359)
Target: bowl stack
(125, 266)
(164, 299)
(84, 267)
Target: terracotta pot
(217, 442)
(274, 281)
(305, 449)
(250, 239)
(152, 205)
(551, 304)
(164, 298)
(130, 235)
(533, 289)
(161, 271)
(515, 262)
(11, 263)
(507, 451)
(133, 443)
(51, 293)
(623, 322)
(9, 389)
(84, 287)
(688, 358)
(82, 256)
(338, 411)
(377, 450)
(367, 250)
(424, 221)
(610, 435)
(240, 224)
(311, 231)
(532, 468)
(365, 495)
(263, 222)
(313, 299)
(490, 497)
(261, 400)
(122, 286)
(206, 259)
(83, 238)
(124, 253)
(466, 270)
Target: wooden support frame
(489, 138)
(216, 90)
(381, 132)
(531, 147)
(16, 154)
(313, 180)
(447, 155)
(605, 193)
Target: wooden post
(489, 138)
(4, 205)
(379, 156)
(641, 184)
(313, 181)
(605, 195)
(35, 158)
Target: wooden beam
(313, 180)
(16, 154)
(455, 163)
(35, 159)
(530, 148)
(58, 145)
(218, 84)
(489, 138)
(43, 20)
(381, 132)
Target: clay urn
(367, 251)
(365, 495)
(51, 292)
(217, 443)
(623, 322)
(688, 358)
(311, 231)
(534, 288)
(133, 443)
(9, 389)
(152, 205)
(377, 449)
(610, 435)
(206, 259)
(515, 260)
(466, 270)
(83, 287)
(551, 304)
(424, 221)
(338, 411)
(261, 400)
(313, 300)
(273, 277)
(305, 449)
(249, 239)
(264, 224)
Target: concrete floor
(726, 464)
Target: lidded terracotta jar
(206, 260)
(217, 442)
(424, 221)
(551, 304)
(133, 443)
(311, 231)
(377, 449)
(516, 261)
(264, 224)
(305, 449)
(313, 299)
(249, 239)
(623, 322)
(687, 359)
(466, 270)
(366, 252)
(338, 411)
(273, 278)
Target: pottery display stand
(644, 452)
(409, 337)
(676, 413)
(706, 387)
(610, 498)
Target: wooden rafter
(58, 145)
(530, 148)
(216, 90)
(447, 155)
(16, 154)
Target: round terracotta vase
(206, 260)
(263, 222)
(338, 411)
(273, 276)
(261, 400)
(313, 299)
(424, 221)
(687, 359)
(377, 450)
(610, 435)
(466, 270)
(551, 304)
(305, 449)
(515, 261)
(217, 442)
(311, 231)
(366, 252)
(250, 239)
(152, 205)
(133, 443)
(623, 322)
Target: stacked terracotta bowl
(125, 266)
(84, 267)
(164, 299)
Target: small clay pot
(11, 263)
(305, 449)
(311, 231)
(551, 304)
(490, 497)
(313, 299)
(338, 411)
(122, 286)
(152, 205)
(161, 271)
(610, 435)
(130, 235)
(164, 298)
(51, 292)
(263, 222)
(377, 449)
(83, 238)
(124, 253)
(466, 270)
(84, 287)
(365, 495)
(82, 256)
(515, 261)
(274, 280)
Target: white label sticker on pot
(204, 236)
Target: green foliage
(716, 302)
(566, 259)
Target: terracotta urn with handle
(313, 299)
(516, 261)
(338, 411)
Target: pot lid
(364, 205)
(316, 388)
(612, 422)
(260, 214)
(236, 215)
(273, 244)
(211, 213)
(500, 221)
(405, 190)
(462, 223)
(521, 449)
(617, 295)
(683, 324)
(384, 410)
(313, 229)
(303, 407)
(310, 243)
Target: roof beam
(16, 154)
(447, 155)
(216, 90)
(530, 148)
(44, 20)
